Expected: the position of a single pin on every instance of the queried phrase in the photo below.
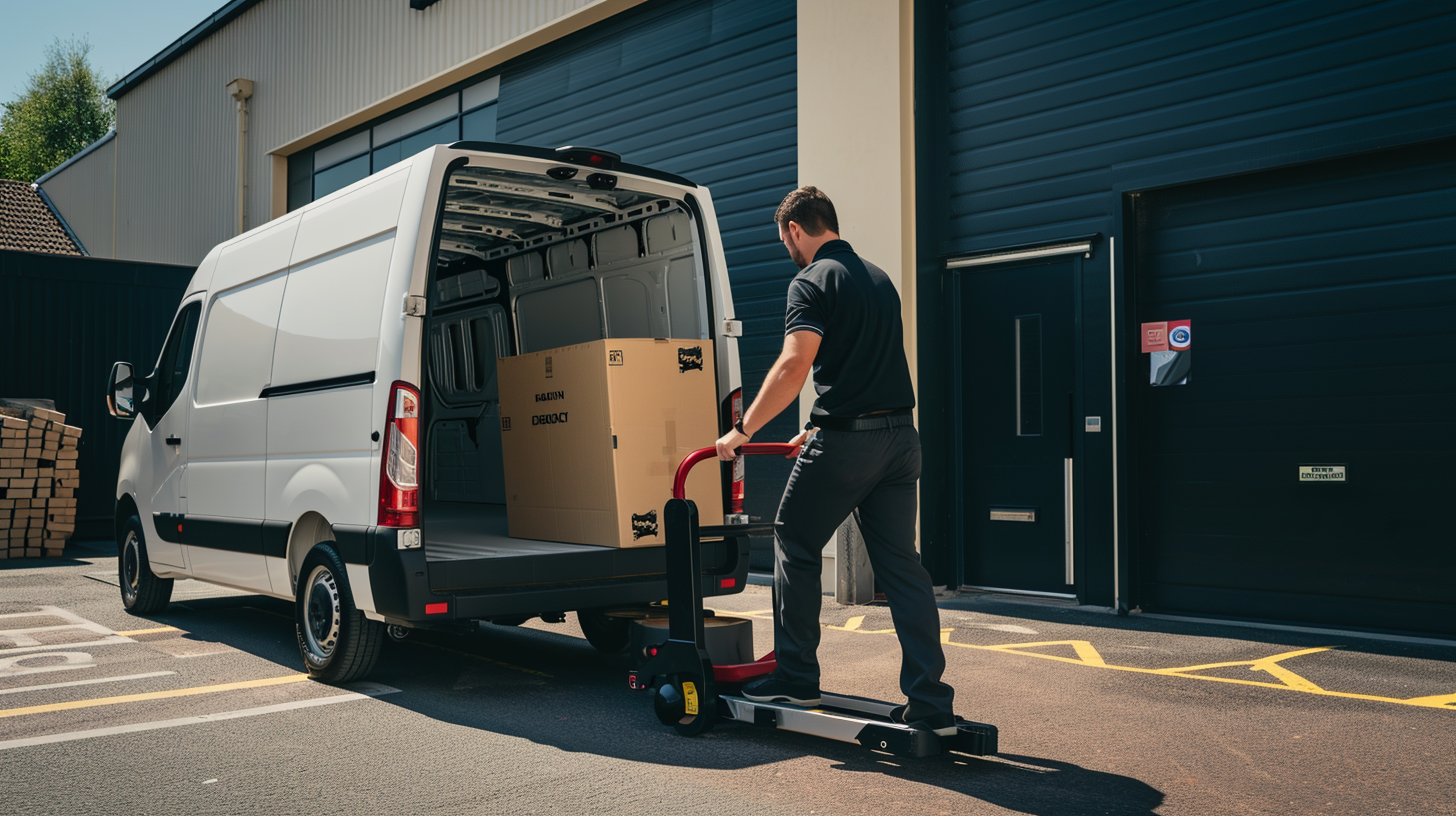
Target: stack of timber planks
(38, 481)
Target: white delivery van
(323, 423)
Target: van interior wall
(637, 275)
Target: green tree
(63, 109)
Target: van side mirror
(121, 392)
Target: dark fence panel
(63, 322)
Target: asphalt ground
(202, 709)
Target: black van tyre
(608, 634)
(337, 642)
(141, 590)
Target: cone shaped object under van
(592, 435)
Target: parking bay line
(361, 691)
(153, 695)
(86, 682)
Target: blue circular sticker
(1180, 337)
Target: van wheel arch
(309, 531)
(126, 507)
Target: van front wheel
(338, 643)
(141, 590)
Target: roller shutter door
(1323, 309)
(706, 90)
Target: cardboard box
(592, 436)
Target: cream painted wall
(856, 133)
(319, 68)
(856, 143)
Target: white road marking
(84, 682)
(112, 640)
(15, 666)
(25, 643)
(361, 691)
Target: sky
(123, 33)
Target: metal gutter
(181, 45)
(85, 151)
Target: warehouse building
(1064, 192)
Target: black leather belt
(876, 422)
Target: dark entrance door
(1017, 375)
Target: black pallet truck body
(691, 694)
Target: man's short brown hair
(809, 208)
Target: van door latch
(732, 328)
(414, 305)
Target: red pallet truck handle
(741, 672)
(680, 482)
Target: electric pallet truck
(691, 694)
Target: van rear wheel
(141, 590)
(607, 633)
(338, 643)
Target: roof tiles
(27, 224)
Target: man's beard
(797, 257)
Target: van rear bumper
(402, 580)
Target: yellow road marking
(853, 624)
(1087, 655)
(135, 632)
(1438, 701)
(153, 695)
(1268, 665)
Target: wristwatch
(738, 426)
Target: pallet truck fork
(691, 694)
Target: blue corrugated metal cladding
(706, 90)
(1053, 103)
(1050, 118)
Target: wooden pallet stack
(38, 481)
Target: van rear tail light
(399, 484)
(735, 494)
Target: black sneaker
(942, 725)
(774, 689)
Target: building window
(467, 113)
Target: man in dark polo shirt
(860, 454)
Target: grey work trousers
(873, 475)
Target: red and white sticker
(1180, 335)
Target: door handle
(174, 440)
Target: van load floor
(468, 546)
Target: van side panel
(227, 447)
(320, 455)
(318, 441)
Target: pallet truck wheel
(678, 702)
